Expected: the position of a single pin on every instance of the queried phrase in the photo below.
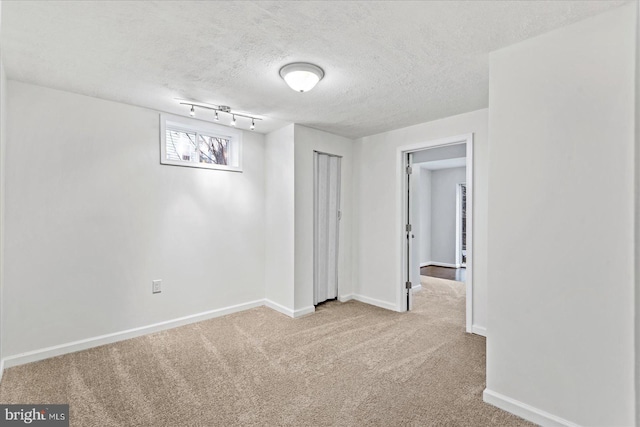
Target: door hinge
(408, 228)
(339, 215)
(409, 170)
(408, 285)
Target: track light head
(233, 120)
(192, 112)
(215, 117)
(253, 124)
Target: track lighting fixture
(218, 109)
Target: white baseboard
(304, 311)
(525, 411)
(417, 287)
(279, 308)
(1, 368)
(438, 264)
(376, 302)
(479, 330)
(345, 298)
(72, 347)
(287, 311)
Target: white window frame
(200, 127)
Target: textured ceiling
(387, 64)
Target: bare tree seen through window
(213, 149)
(196, 148)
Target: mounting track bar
(219, 108)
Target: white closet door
(326, 226)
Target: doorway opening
(436, 216)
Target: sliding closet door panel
(321, 219)
(326, 226)
(332, 227)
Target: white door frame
(401, 214)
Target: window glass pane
(213, 149)
(181, 146)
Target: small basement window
(197, 144)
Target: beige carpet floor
(349, 364)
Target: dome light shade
(300, 76)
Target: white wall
(444, 187)
(280, 217)
(3, 138)
(92, 217)
(637, 215)
(561, 247)
(425, 215)
(456, 151)
(416, 229)
(375, 229)
(307, 141)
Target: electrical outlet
(156, 286)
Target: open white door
(326, 226)
(413, 219)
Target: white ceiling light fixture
(301, 76)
